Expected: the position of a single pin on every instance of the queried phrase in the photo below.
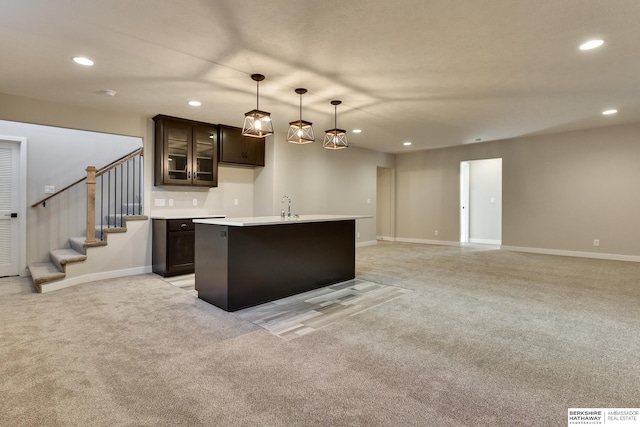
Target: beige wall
(560, 191)
(319, 181)
(45, 233)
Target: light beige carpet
(485, 338)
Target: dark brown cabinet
(236, 149)
(186, 152)
(173, 250)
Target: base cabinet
(173, 250)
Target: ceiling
(433, 72)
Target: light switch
(492, 200)
(158, 202)
(49, 189)
(235, 202)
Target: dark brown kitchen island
(242, 262)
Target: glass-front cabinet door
(186, 152)
(177, 146)
(205, 150)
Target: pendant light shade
(300, 131)
(257, 123)
(335, 139)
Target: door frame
(22, 201)
(464, 202)
(391, 202)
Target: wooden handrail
(120, 161)
(104, 169)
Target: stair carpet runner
(55, 269)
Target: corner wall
(319, 181)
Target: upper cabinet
(236, 149)
(186, 152)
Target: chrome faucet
(288, 208)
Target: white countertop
(184, 215)
(276, 220)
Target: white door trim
(22, 201)
(464, 202)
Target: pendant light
(257, 123)
(335, 139)
(300, 131)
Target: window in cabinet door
(205, 150)
(177, 147)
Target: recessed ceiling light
(406, 143)
(609, 112)
(591, 44)
(195, 103)
(82, 61)
(357, 131)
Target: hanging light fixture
(300, 131)
(335, 139)
(257, 123)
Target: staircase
(119, 200)
(55, 270)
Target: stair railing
(121, 190)
(120, 193)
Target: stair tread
(68, 254)
(61, 257)
(42, 272)
(82, 241)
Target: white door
(464, 202)
(9, 226)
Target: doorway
(385, 204)
(481, 201)
(12, 205)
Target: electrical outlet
(596, 242)
(358, 234)
(368, 201)
(170, 202)
(195, 202)
(435, 232)
(235, 202)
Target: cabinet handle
(183, 225)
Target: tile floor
(304, 313)
(301, 314)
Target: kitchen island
(241, 262)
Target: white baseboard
(614, 257)
(486, 241)
(367, 243)
(427, 242)
(66, 283)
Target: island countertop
(183, 215)
(276, 220)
